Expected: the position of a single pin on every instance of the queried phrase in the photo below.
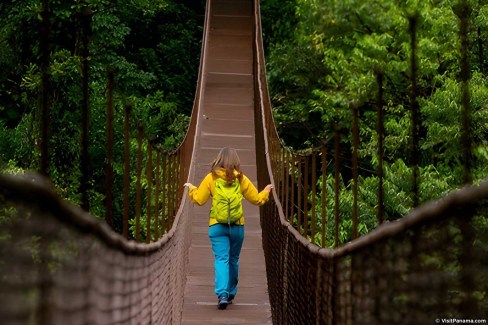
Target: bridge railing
(428, 266)
(425, 268)
(60, 265)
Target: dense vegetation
(324, 54)
(153, 47)
(321, 55)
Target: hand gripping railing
(428, 267)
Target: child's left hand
(188, 185)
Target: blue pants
(226, 246)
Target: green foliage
(331, 60)
(153, 47)
(279, 20)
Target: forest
(321, 55)
(152, 49)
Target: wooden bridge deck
(227, 119)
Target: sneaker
(231, 298)
(223, 302)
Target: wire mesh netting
(430, 265)
(60, 266)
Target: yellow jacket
(202, 193)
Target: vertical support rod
(138, 183)
(314, 194)
(109, 172)
(287, 185)
(175, 184)
(381, 137)
(283, 178)
(178, 181)
(305, 197)
(415, 111)
(158, 189)
(44, 94)
(164, 206)
(299, 195)
(170, 191)
(292, 197)
(125, 221)
(149, 192)
(323, 194)
(337, 148)
(355, 148)
(466, 110)
(85, 23)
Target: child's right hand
(268, 187)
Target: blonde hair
(229, 160)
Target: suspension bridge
(59, 265)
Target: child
(226, 235)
